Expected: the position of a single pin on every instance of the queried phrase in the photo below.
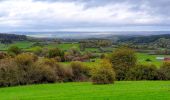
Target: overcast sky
(77, 15)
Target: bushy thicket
(26, 68)
(56, 53)
(74, 54)
(126, 68)
(80, 72)
(149, 72)
(8, 73)
(3, 55)
(25, 65)
(164, 71)
(56, 72)
(104, 74)
(142, 72)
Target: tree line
(9, 38)
(95, 43)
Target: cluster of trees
(95, 43)
(149, 72)
(27, 68)
(125, 64)
(162, 43)
(139, 46)
(160, 46)
(123, 59)
(156, 43)
(73, 54)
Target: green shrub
(67, 74)
(62, 74)
(164, 71)
(14, 50)
(25, 59)
(43, 73)
(80, 72)
(55, 52)
(25, 63)
(148, 60)
(122, 60)
(104, 74)
(37, 50)
(74, 51)
(143, 72)
(8, 73)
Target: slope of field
(123, 90)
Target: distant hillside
(12, 37)
(90, 34)
(143, 39)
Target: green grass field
(27, 45)
(122, 90)
(64, 46)
(92, 49)
(21, 44)
(142, 59)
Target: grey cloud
(152, 7)
(155, 6)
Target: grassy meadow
(142, 59)
(20, 44)
(121, 90)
